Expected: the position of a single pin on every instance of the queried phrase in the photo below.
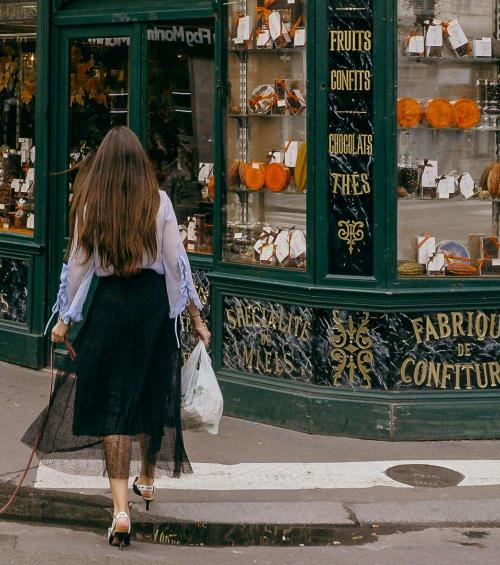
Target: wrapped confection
(409, 112)
(438, 113)
(433, 38)
(465, 113)
(278, 177)
(262, 100)
(253, 175)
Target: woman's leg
(147, 476)
(117, 452)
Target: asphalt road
(22, 545)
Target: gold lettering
(445, 376)
(495, 334)
(350, 80)
(482, 382)
(481, 326)
(230, 318)
(430, 329)
(470, 332)
(444, 325)
(240, 317)
(468, 368)
(277, 364)
(350, 40)
(457, 320)
(463, 350)
(434, 369)
(353, 184)
(407, 380)
(304, 336)
(417, 328)
(420, 373)
(289, 363)
(267, 366)
(494, 367)
(457, 376)
(248, 354)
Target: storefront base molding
(387, 416)
(21, 348)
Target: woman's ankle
(145, 480)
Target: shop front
(334, 167)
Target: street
(25, 545)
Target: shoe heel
(123, 539)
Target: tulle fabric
(121, 397)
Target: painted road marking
(62, 474)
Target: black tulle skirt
(125, 381)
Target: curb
(187, 524)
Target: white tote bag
(202, 403)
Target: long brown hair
(117, 204)
(82, 169)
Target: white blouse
(171, 260)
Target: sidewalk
(254, 475)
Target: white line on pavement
(57, 474)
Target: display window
(266, 124)
(448, 112)
(98, 92)
(180, 124)
(17, 116)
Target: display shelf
(283, 51)
(463, 130)
(244, 116)
(452, 60)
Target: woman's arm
(180, 287)
(76, 278)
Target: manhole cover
(425, 476)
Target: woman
(127, 364)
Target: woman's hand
(59, 332)
(200, 331)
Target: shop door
(94, 87)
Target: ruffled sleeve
(76, 277)
(178, 277)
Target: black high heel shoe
(140, 490)
(119, 538)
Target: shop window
(448, 112)
(17, 116)
(99, 92)
(180, 123)
(265, 149)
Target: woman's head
(118, 203)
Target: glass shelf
(244, 116)
(464, 130)
(273, 51)
(451, 60)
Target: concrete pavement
(362, 495)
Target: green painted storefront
(342, 343)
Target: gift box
(425, 248)
(456, 37)
(281, 88)
(490, 249)
(436, 265)
(482, 47)
(296, 101)
(466, 185)
(429, 174)
(445, 187)
(433, 38)
(415, 45)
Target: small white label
(238, 235)
(30, 175)
(243, 30)
(299, 39)
(291, 1)
(416, 45)
(2, 206)
(263, 38)
(429, 174)
(434, 36)
(495, 262)
(205, 171)
(281, 103)
(456, 34)
(291, 154)
(30, 222)
(482, 47)
(255, 165)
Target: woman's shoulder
(166, 206)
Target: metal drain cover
(429, 476)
